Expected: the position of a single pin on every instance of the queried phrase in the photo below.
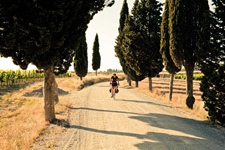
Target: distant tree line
(114, 70)
(187, 35)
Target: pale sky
(106, 24)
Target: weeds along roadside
(22, 118)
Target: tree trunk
(189, 85)
(136, 84)
(96, 72)
(171, 86)
(128, 80)
(150, 84)
(130, 83)
(81, 78)
(50, 94)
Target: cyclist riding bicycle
(114, 82)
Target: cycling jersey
(114, 80)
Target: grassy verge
(21, 120)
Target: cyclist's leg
(112, 90)
(114, 93)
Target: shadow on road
(156, 140)
(100, 110)
(170, 132)
(140, 136)
(182, 133)
(144, 102)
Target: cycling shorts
(114, 83)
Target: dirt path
(131, 122)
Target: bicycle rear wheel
(113, 92)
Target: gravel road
(132, 121)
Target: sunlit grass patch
(20, 126)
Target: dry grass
(161, 92)
(21, 121)
(22, 118)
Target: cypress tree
(143, 39)
(119, 40)
(150, 19)
(81, 60)
(164, 47)
(45, 33)
(123, 15)
(130, 49)
(186, 23)
(96, 58)
(135, 8)
(120, 46)
(212, 65)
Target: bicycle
(113, 92)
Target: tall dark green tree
(121, 46)
(212, 64)
(46, 34)
(81, 59)
(164, 48)
(123, 15)
(149, 13)
(135, 8)
(130, 49)
(96, 58)
(186, 22)
(119, 40)
(143, 39)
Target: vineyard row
(12, 76)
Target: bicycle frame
(113, 92)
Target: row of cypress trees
(187, 34)
(138, 41)
(182, 27)
(80, 61)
